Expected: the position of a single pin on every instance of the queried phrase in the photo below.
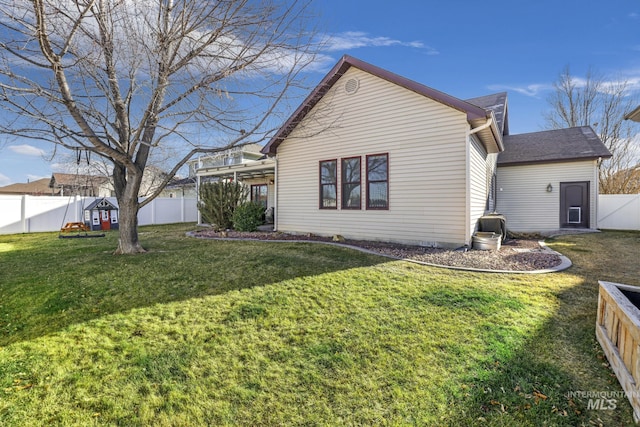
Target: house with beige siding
(373, 155)
(549, 180)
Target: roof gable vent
(351, 86)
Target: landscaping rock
(514, 255)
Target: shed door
(574, 204)
(105, 224)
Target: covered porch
(258, 175)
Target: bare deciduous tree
(122, 78)
(600, 103)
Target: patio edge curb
(565, 262)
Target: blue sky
(462, 47)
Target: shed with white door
(101, 215)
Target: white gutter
(482, 127)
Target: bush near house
(218, 201)
(248, 216)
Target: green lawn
(202, 332)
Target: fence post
(76, 208)
(23, 213)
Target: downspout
(198, 183)
(275, 195)
(467, 195)
(595, 193)
(467, 219)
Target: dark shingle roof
(497, 103)
(561, 145)
(181, 182)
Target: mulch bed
(514, 255)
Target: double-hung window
(352, 182)
(351, 179)
(378, 181)
(329, 184)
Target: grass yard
(201, 332)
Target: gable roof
(497, 103)
(181, 182)
(35, 188)
(477, 116)
(76, 180)
(559, 145)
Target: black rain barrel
(496, 223)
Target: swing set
(74, 230)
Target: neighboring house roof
(181, 182)
(560, 145)
(634, 115)
(476, 115)
(497, 103)
(39, 187)
(70, 179)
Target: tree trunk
(126, 188)
(128, 242)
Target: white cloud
(322, 63)
(532, 90)
(634, 15)
(357, 39)
(4, 180)
(27, 150)
(32, 177)
(629, 79)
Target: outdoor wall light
(549, 188)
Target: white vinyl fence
(619, 211)
(30, 214)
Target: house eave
(490, 137)
(634, 115)
(546, 161)
(264, 167)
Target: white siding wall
(523, 196)
(480, 171)
(426, 143)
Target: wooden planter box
(618, 332)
